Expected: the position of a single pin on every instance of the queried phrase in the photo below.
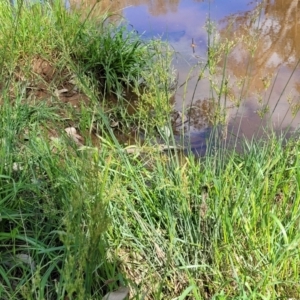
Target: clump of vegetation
(82, 215)
(212, 229)
(65, 59)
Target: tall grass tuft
(53, 211)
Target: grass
(229, 231)
(82, 215)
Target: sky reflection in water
(278, 30)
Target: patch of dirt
(49, 82)
(43, 68)
(55, 86)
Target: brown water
(271, 73)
